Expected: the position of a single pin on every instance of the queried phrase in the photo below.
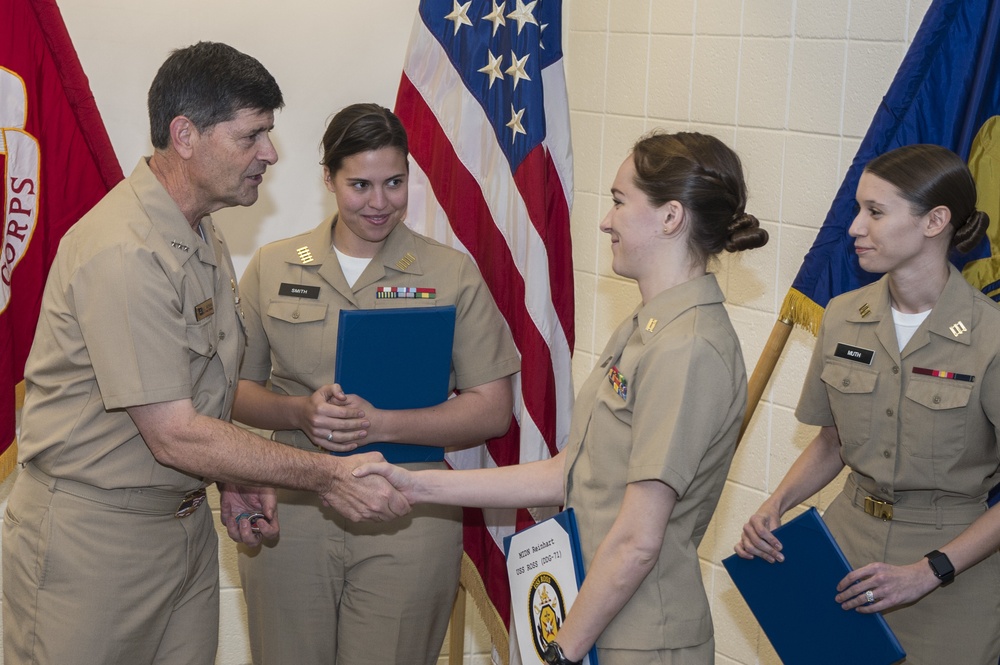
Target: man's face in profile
(229, 159)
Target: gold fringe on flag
(800, 310)
(496, 625)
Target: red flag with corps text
(57, 163)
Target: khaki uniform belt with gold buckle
(140, 499)
(932, 514)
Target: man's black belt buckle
(190, 503)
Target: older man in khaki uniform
(130, 382)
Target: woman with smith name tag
(905, 386)
(331, 591)
(654, 427)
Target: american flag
(483, 99)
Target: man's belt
(141, 499)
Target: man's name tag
(854, 354)
(204, 309)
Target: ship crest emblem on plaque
(547, 610)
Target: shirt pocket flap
(201, 337)
(849, 380)
(939, 394)
(295, 312)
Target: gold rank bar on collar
(305, 254)
(864, 310)
(405, 262)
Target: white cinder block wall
(790, 84)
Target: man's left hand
(238, 502)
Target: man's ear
(938, 220)
(183, 135)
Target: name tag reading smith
(298, 291)
(854, 353)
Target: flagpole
(456, 641)
(764, 368)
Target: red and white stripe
(516, 228)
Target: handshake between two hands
(373, 489)
(363, 487)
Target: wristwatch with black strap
(553, 655)
(941, 566)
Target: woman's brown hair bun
(745, 233)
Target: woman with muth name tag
(654, 427)
(905, 386)
(331, 591)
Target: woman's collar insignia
(305, 254)
(405, 262)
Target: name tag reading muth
(854, 354)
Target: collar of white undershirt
(352, 266)
(906, 325)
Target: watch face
(941, 565)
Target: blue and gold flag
(947, 92)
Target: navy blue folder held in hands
(794, 601)
(397, 359)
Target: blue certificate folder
(556, 575)
(793, 601)
(397, 359)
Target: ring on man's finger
(329, 437)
